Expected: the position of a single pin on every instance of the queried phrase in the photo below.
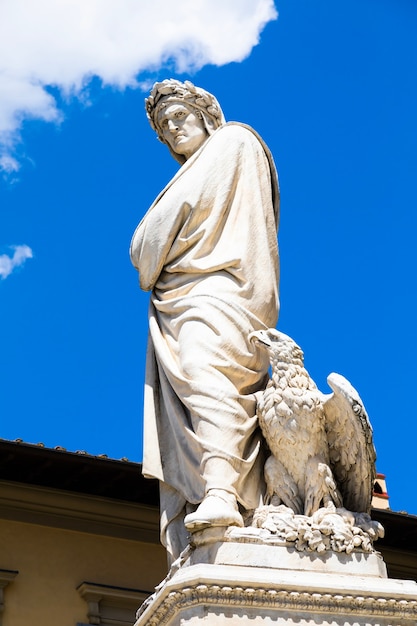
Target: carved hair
(170, 90)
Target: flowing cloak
(207, 248)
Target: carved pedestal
(238, 580)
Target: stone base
(244, 546)
(212, 584)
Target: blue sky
(331, 87)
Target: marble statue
(252, 541)
(322, 461)
(207, 250)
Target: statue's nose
(172, 125)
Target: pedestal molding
(262, 597)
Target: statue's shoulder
(237, 130)
(235, 135)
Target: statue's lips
(178, 137)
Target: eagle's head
(279, 346)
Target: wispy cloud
(10, 263)
(63, 43)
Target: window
(111, 606)
(6, 577)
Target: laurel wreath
(187, 92)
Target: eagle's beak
(260, 336)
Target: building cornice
(80, 512)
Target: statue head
(203, 106)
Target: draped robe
(207, 250)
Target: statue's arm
(153, 239)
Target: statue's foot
(217, 509)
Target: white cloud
(8, 164)
(65, 42)
(9, 263)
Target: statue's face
(182, 129)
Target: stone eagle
(322, 452)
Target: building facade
(79, 538)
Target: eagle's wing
(351, 448)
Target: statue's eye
(179, 114)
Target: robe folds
(207, 250)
